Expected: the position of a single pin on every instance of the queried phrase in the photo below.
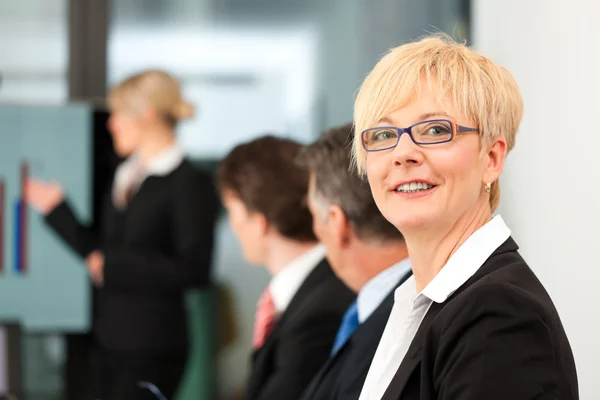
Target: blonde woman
(156, 241)
(434, 122)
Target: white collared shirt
(372, 294)
(286, 283)
(410, 308)
(131, 173)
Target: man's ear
(495, 156)
(262, 223)
(342, 231)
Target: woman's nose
(407, 152)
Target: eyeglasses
(424, 133)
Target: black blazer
(301, 340)
(343, 376)
(497, 337)
(160, 245)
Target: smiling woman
(436, 120)
(469, 84)
(438, 157)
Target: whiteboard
(43, 285)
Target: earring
(488, 187)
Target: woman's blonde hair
(457, 75)
(154, 88)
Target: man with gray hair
(365, 251)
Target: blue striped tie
(347, 327)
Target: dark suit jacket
(160, 245)
(343, 376)
(497, 337)
(301, 340)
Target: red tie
(265, 319)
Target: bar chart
(20, 231)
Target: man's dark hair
(329, 159)
(262, 173)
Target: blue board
(42, 283)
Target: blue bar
(17, 227)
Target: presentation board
(43, 285)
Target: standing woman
(435, 121)
(155, 241)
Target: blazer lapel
(266, 345)
(316, 381)
(261, 361)
(312, 280)
(260, 357)
(387, 301)
(337, 354)
(384, 307)
(307, 285)
(413, 355)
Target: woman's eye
(384, 134)
(438, 130)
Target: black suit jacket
(497, 337)
(160, 245)
(343, 376)
(301, 340)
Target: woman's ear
(494, 158)
(149, 113)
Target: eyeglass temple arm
(463, 129)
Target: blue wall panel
(48, 289)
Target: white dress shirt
(372, 294)
(286, 283)
(131, 173)
(410, 308)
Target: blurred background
(291, 68)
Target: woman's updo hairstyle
(153, 88)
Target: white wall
(277, 98)
(38, 75)
(550, 186)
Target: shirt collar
(286, 283)
(162, 164)
(469, 257)
(130, 173)
(372, 294)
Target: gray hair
(329, 159)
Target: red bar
(2, 222)
(23, 217)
